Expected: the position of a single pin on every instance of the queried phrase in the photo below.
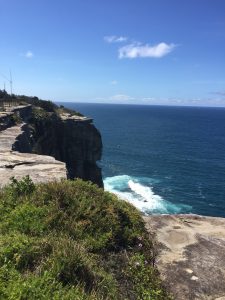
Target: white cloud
(115, 39)
(114, 82)
(29, 54)
(126, 99)
(121, 97)
(139, 50)
(148, 99)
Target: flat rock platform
(191, 256)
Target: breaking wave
(139, 191)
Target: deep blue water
(163, 159)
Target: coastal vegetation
(44, 105)
(72, 240)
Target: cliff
(71, 139)
(65, 239)
(48, 145)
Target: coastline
(191, 247)
(48, 144)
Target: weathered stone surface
(68, 116)
(14, 164)
(70, 139)
(40, 168)
(8, 137)
(191, 255)
(73, 140)
(6, 117)
(23, 111)
(6, 120)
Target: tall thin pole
(11, 81)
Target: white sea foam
(144, 191)
(140, 195)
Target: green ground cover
(72, 240)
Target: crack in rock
(18, 164)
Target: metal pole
(10, 82)
(11, 85)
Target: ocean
(163, 159)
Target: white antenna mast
(10, 81)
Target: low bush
(72, 240)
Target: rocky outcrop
(191, 256)
(11, 115)
(68, 139)
(6, 120)
(73, 140)
(40, 168)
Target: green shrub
(72, 240)
(145, 279)
(88, 213)
(23, 187)
(26, 218)
(14, 286)
(23, 252)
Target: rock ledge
(191, 255)
(40, 168)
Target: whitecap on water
(139, 192)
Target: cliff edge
(71, 139)
(48, 143)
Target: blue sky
(127, 51)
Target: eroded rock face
(72, 140)
(191, 255)
(6, 120)
(76, 142)
(40, 168)
(8, 117)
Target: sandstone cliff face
(8, 118)
(40, 168)
(70, 139)
(76, 142)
